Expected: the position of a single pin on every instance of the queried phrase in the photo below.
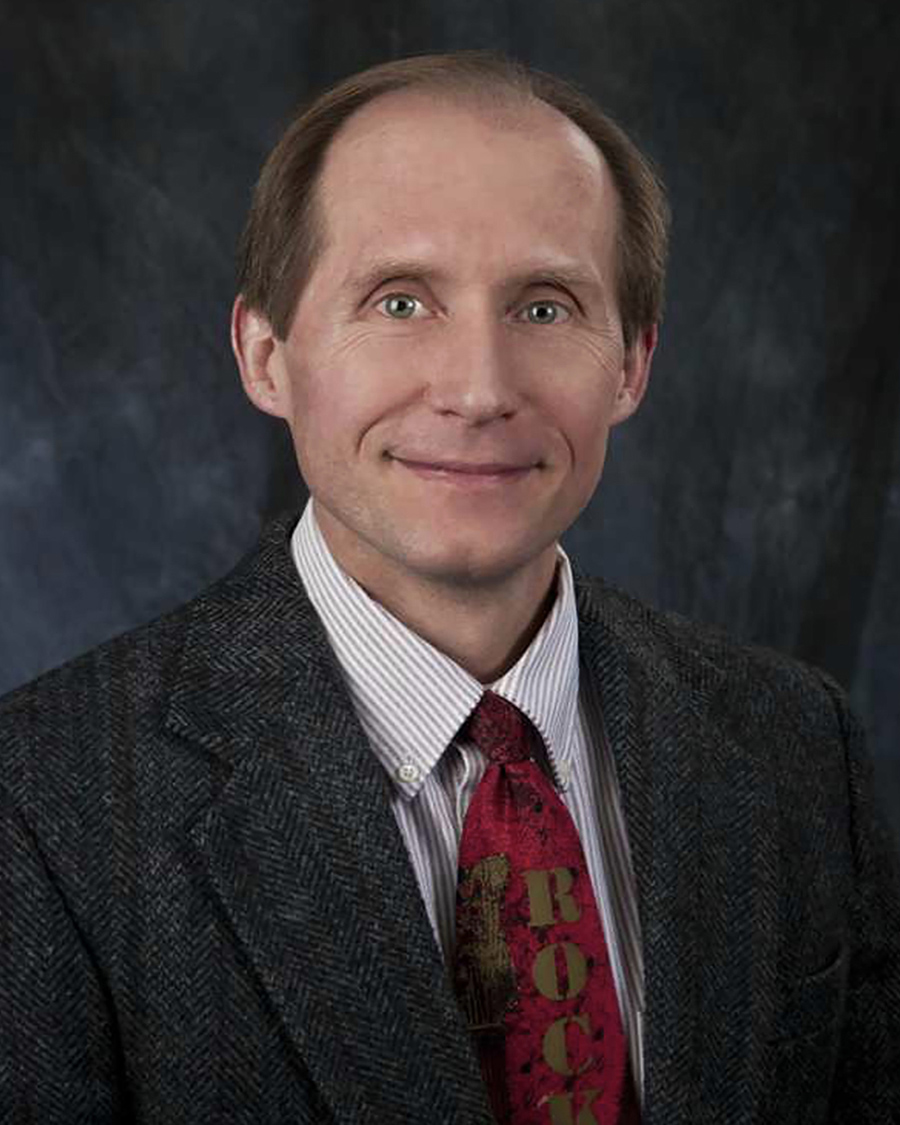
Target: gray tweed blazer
(207, 913)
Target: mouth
(488, 468)
(467, 473)
(459, 466)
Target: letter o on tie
(546, 976)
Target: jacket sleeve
(58, 1059)
(866, 1087)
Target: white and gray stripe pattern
(412, 700)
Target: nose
(473, 370)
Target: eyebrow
(389, 269)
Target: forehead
(415, 171)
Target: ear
(635, 374)
(260, 359)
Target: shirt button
(408, 772)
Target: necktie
(531, 967)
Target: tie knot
(500, 730)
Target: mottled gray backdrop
(758, 487)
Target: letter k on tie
(531, 966)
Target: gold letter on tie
(540, 900)
(561, 1109)
(556, 1053)
(547, 977)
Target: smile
(468, 476)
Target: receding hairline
(490, 96)
(492, 100)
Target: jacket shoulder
(133, 655)
(53, 725)
(138, 657)
(706, 658)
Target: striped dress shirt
(412, 700)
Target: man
(230, 839)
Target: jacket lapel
(699, 811)
(303, 851)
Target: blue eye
(555, 306)
(401, 304)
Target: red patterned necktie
(531, 966)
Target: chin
(464, 564)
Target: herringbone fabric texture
(207, 912)
(532, 967)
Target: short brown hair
(284, 234)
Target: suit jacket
(207, 913)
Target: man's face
(463, 312)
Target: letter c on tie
(556, 1053)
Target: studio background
(759, 486)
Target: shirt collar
(411, 698)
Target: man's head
(450, 259)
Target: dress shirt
(412, 699)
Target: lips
(470, 467)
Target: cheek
(580, 413)
(577, 365)
(358, 385)
(587, 437)
(333, 409)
